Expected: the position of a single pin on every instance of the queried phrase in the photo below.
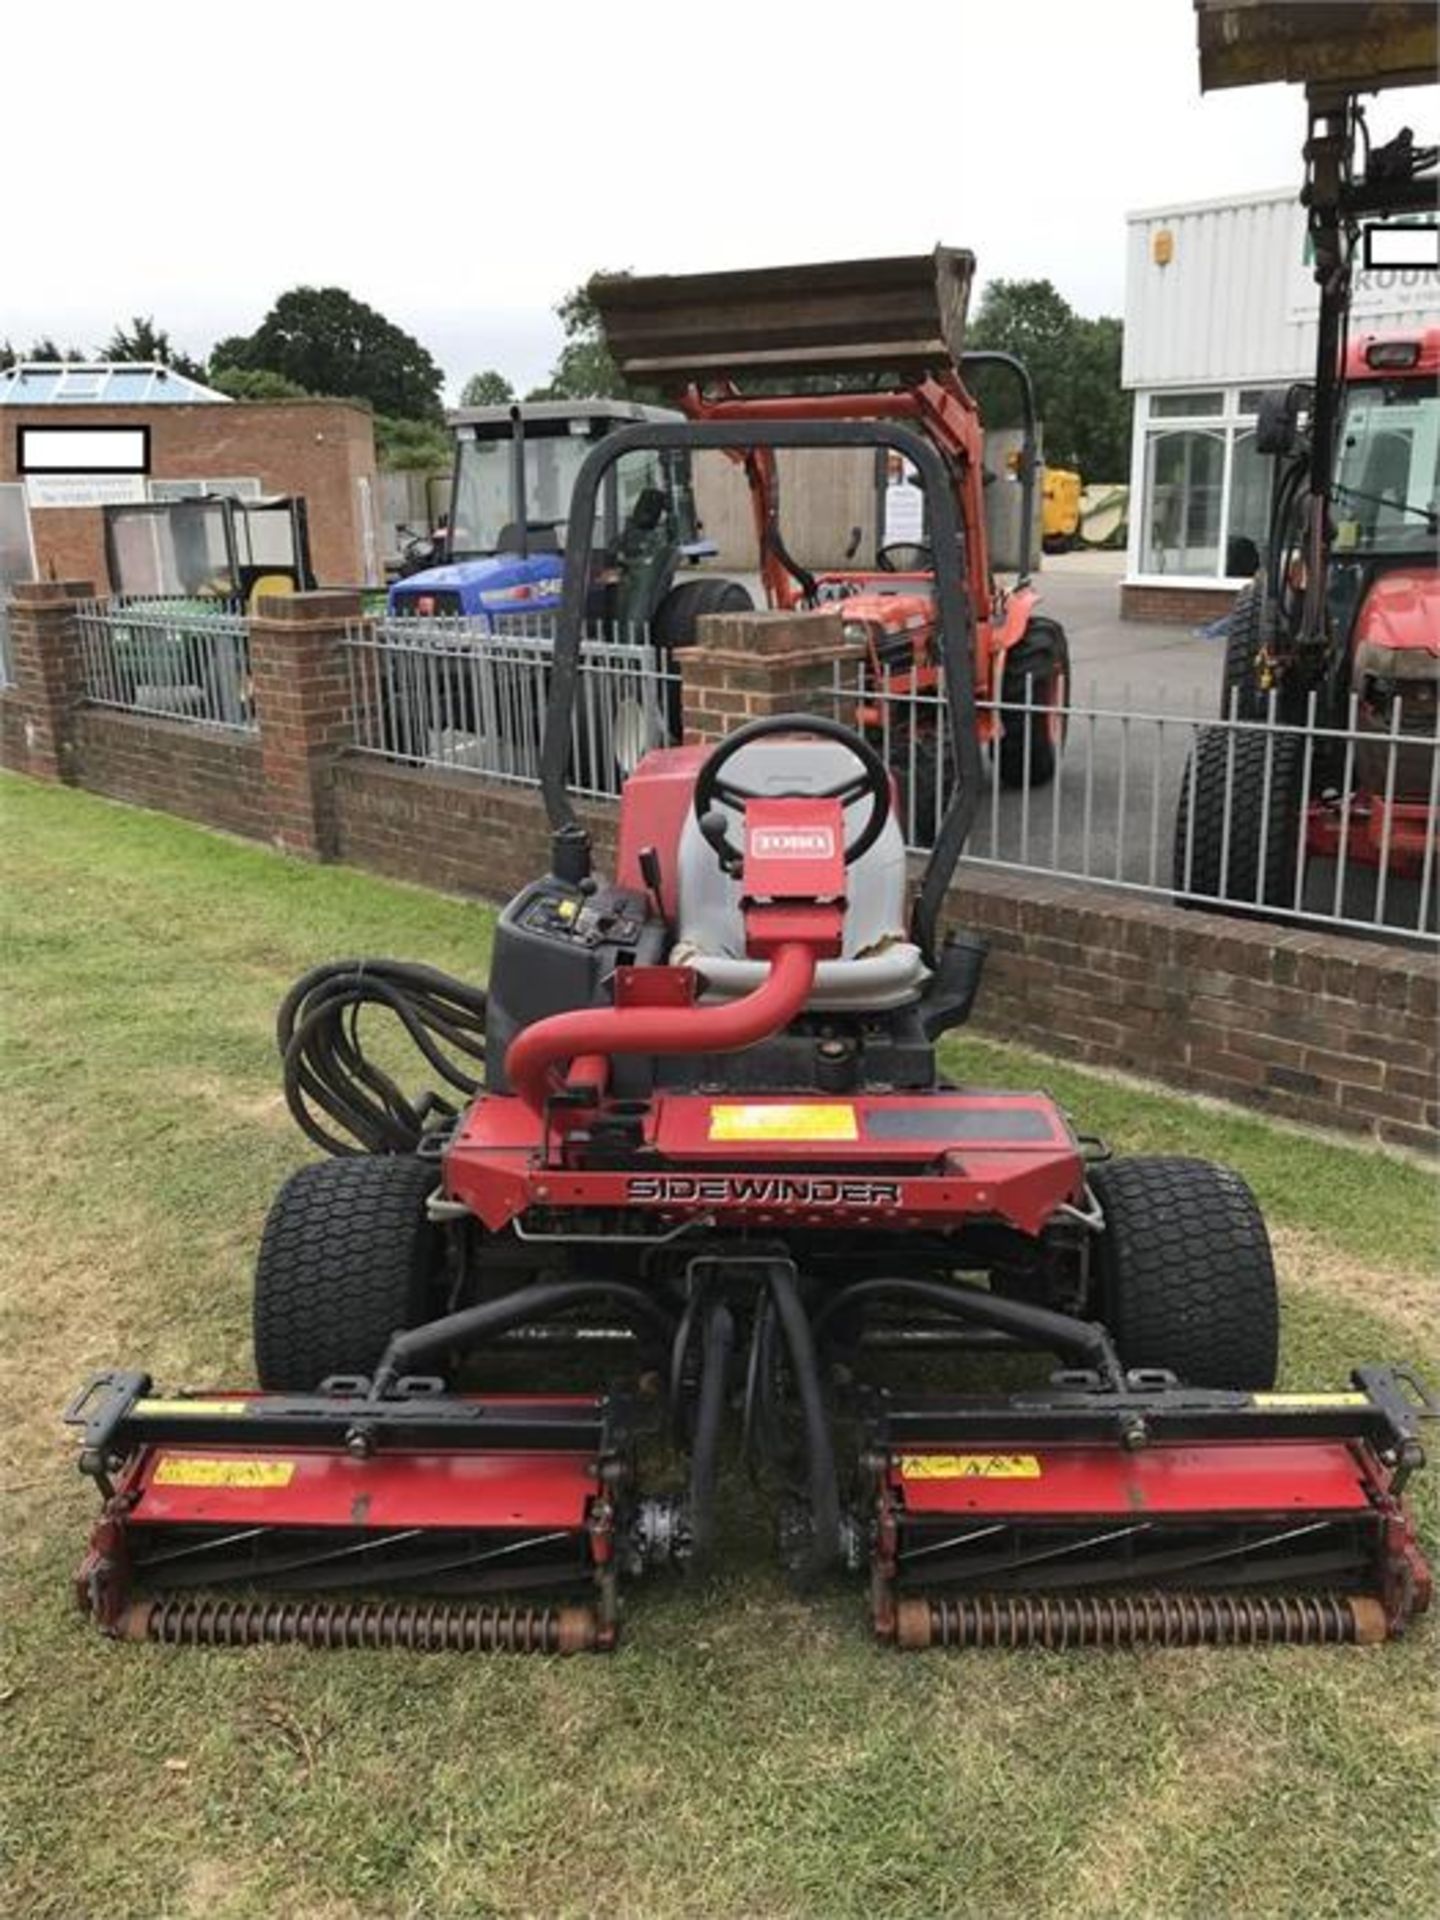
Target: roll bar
(570, 841)
(1029, 442)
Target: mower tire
(1255, 865)
(1185, 1276)
(348, 1257)
(676, 616)
(1041, 662)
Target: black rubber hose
(758, 1428)
(679, 1353)
(718, 1338)
(819, 1447)
(1058, 1333)
(327, 1075)
(473, 1325)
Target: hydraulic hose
(819, 1446)
(1060, 1333)
(471, 1326)
(537, 1050)
(329, 1077)
(719, 1339)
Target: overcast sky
(460, 165)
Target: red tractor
(874, 340)
(1338, 638)
(715, 1156)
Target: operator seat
(880, 966)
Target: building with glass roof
(107, 383)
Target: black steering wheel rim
(873, 781)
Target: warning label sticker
(969, 1466)
(1299, 1401)
(168, 1407)
(178, 1470)
(795, 1120)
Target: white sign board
(86, 490)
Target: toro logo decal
(792, 843)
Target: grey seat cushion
(879, 966)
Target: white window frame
(239, 487)
(1230, 422)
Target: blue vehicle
(504, 543)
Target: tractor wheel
(1185, 1278)
(1262, 776)
(675, 617)
(347, 1258)
(1242, 642)
(1041, 661)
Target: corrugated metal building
(1219, 305)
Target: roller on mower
(695, 1145)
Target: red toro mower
(715, 1158)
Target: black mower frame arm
(570, 841)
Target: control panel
(556, 948)
(558, 913)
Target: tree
(327, 341)
(254, 383)
(146, 341)
(42, 349)
(1075, 366)
(487, 389)
(584, 369)
(411, 445)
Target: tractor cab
(213, 548)
(515, 467)
(1387, 475)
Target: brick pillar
(746, 666)
(45, 657)
(302, 703)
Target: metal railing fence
(453, 693)
(175, 659)
(1315, 822)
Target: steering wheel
(871, 783)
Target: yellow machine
(1060, 509)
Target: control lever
(714, 826)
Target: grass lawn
(744, 1754)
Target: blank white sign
(84, 450)
(1402, 247)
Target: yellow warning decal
(1302, 1400)
(797, 1120)
(969, 1466)
(168, 1407)
(177, 1470)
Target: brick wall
(449, 829)
(316, 448)
(1293, 1021)
(1302, 1024)
(1175, 606)
(202, 774)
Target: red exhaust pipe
(536, 1050)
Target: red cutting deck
(210, 1486)
(1220, 1478)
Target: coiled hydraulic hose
(327, 1072)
